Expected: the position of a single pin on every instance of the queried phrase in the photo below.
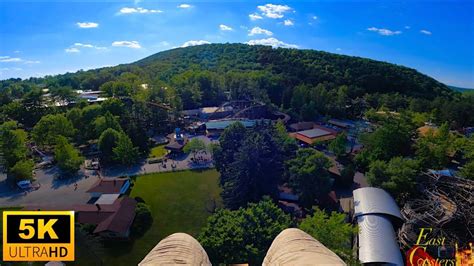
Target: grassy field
(179, 202)
(157, 152)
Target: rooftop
(105, 199)
(301, 126)
(222, 124)
(371, 200)
(377, 240)
(108, 186)
(314, 133)
(121, 220)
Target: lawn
(179, 202)
(157, 152)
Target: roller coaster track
(235, 102)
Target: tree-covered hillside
(305, 83)
(296, 67)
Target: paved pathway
(183, 162)
(51, 192)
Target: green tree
(143, 219)
(331, 230)
(50, 127)
(398, 176)
(309, 175)
(75, 116)
(12, 144)
(194, 145)
(68, 158)
(124, 151)
(139, 138)
(467, 170)
(288, 144)
(114, 106)
(243, 235)
(117, 88)
(63, 94)
(229, 142)
(254, 166)
(338, 145)
(104, 122)
(391, 139)
(434, 148)
(23, 170)
(107, 142)
(14, 111)
(89, 114)
(347, 175)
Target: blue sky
(39, 38)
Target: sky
(40, 38)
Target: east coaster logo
(38, 235)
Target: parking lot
(52, 192)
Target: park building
(377, 217)
(215, 128)
(310, 133)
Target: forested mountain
(305, 83)
(296, 67)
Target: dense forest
(305, 83)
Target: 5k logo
(38, 235)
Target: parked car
(24, 184)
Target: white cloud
(8, 59)
(86, 45)
(274, 11)
(426, 32)
(258, 30)
(140, 10)
(164, 43)
(225, 27)
(255, 16)
(338, 49)
(193, 43)
(87, 25)
(271, 42)
(384, 32)
(407, 27)
(288, 22)
(72, 50)
(83, 45)
(129, 44)
(315, 17)
(185, 6)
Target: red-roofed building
(109, 186)
(316, 134)
(112, 220)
